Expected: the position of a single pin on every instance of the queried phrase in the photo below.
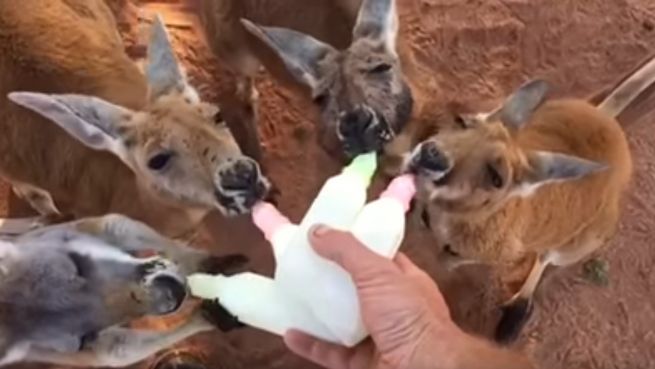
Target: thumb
(349, 253)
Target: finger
(327, 354)
(345, 250)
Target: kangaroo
(341, 53)
(143, 146)
(66, 290)
(536, 179)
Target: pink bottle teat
(268, 219)
(401, 189)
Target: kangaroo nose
(241, 176)
(362, 130)
(359, 118)
(430, 158)
(168, 294)
(240, 185)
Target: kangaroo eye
(461, 122)
(321, 100)
(425, 219)
(219, 121)
(83, 266)
(380, 68)
(495, 178)
(160, 161)
(449, 250)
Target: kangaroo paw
(514, 317)
(217, 315)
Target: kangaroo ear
(163, 71)
(518, 108)
(302, 54)
(378, 20)
(95, 122)
(546, 167)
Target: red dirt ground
(473, 52)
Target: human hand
(401, 307)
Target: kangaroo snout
(240, 184)
(429, 159)
(163, 284)
(362, 130)
(167, 293)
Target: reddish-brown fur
(72, 46)
(532, 181)
(508, 231)
(62, 47)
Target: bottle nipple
(205, 286)
(363, 166)
(268, 219)
(401, 189)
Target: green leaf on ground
(597, 272)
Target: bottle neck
(268, 219)
(363, 167)
(402, 190)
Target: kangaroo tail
(633, 85)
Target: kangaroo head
(62, 288)
(361, 92)
(476, 163)
(178, 147)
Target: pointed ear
(547, 167)
(301, 54)
(92, 121)
(378, 20)
(164, 73)
(518, 108)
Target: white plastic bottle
(381, 224)
(301, 273)
(256, 301)
(381, 227)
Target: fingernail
(320, 230)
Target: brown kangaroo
(534, 180)
(143, 146)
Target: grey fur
(65, 289)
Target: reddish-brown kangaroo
(536, 179)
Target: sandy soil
(471, 52)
